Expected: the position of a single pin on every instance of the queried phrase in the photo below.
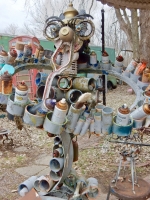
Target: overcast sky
(12, 12)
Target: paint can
(105, 66)
(57, 140)
(58, 94)
(119, 61)
(138, 123)
(3, 58)
(21, 93)
(72, 116)
(27, 50)
(56, 164)
(93, 58)
(19, 47)
(55, 176)
(92, 127)
(79, 125)
(31, 119)
(85, 127)
(140, 83)
(64, 83)
(26, 186)
(105, 57)
(13, 108)
(132, 65)
(60, 112)
(53, 127)
(99, 107)
(122, 130)
(107, 120)
(6, 83)
(141, 112)
(37, 183)
(40, 78)
(45, 184)
(40, 92)
(58, 153)
(97, 123)
(147, 95)
(146, 76)
(84, 84)
(134, 77)
(123, 115)
(48, 105)
(73, 95)
(12, 55)
(39, 52)
(118, 69)
(126, 73)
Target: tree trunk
(135, 34)
(145, 35)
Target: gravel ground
(91, 160)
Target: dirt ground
(92, 161)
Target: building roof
(139, 4)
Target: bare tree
(136, 25)
(11, 29)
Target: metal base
(124, 190)
(62, 194)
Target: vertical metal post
(103, 49)
(104, 92)
(102, 26)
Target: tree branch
(124, 27)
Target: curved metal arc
(127, 80)
(28, 66)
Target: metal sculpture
(66, 105)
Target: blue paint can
(122, 130)
(40, 78)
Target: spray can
(60, 112)
(132, 65)
(73, 116)
(85, 126)
(79, 125)
(21, 93)
(123, 115)
(93, 58)
(39, 52)
(146, 76)
(92, 127)
(105, 57)
(141, 112)
(27, 50)
(12, 55)
(97, 123)
(19, 48)
(6, 83)
(3, 58)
